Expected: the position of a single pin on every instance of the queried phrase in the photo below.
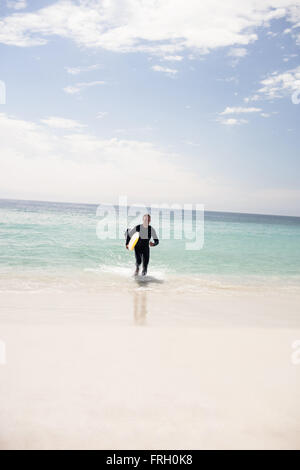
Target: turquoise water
(53, 241)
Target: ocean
(54, 246)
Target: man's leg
(146, 256)
(138, 260)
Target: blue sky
(145, 99)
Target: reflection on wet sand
(140, 307)
(146, 280)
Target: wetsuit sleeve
(130, 233)
(154, 236)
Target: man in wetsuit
(142, 250)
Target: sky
(162, 101)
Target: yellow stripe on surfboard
(133, 241)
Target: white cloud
(62, 123)
(271, 34)
(173, 58)
(78, 70)
(101, 114)
(78, 87)
(232, 111)
(289, 57)
(37, 163)
(239, 110)
(229, 79)
(255, 97)
(40, 164)
(166, 70)
(156, 26)
(16, 4)
(237, 52)
(278, 85)
(294, 18)
(232, 121)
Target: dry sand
(162, 371)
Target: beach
(149, 227)
(83, 373)
(202, 353)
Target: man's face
(146, 220)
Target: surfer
(142, 248)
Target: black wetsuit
(142, 250)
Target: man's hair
(147, 215)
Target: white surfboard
(133, 241)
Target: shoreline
(120, 279)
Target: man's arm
(155, 237)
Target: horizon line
(146, 205)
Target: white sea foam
(120, 278)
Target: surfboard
(133, 241)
